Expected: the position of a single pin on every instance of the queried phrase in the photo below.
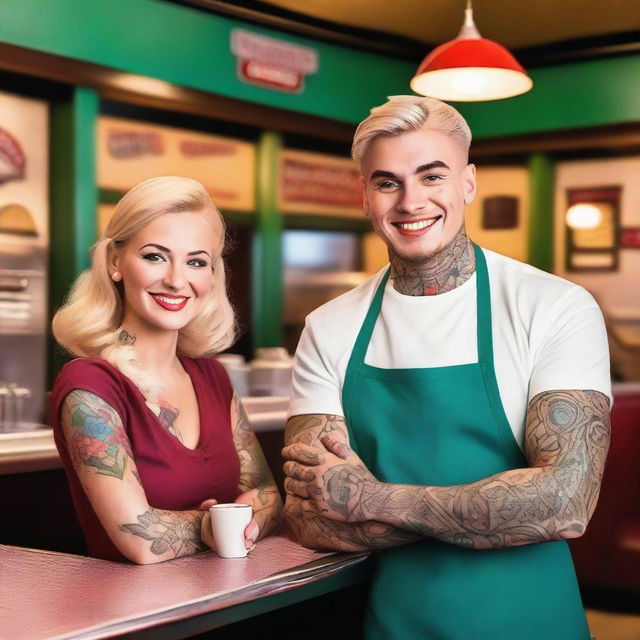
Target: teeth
(171, 300)
(414, 226)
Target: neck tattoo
(126, 338)
(439, 273)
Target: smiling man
(452, 412)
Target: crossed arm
(334, 501)
(103, 459)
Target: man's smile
(416, 225)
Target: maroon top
(173, 477)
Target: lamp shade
(470, 68)
(470, 71)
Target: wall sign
(24, 170)
(500, 212)
(130, 151)
(320, 184)
(270, 63)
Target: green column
(267, 248)
(541, 206)
(73, 196)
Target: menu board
(320, 184)
(24, 170)
(131, 151)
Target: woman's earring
(116, 276)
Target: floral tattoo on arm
(178, 532)
(97, 439)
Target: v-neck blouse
(173, 476)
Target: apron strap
(483, 323)
(366, 330)
(483, 302)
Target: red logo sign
(271, 63)
(630, 238)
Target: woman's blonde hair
(402, 114)
(88, 324)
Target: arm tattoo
(174, 531)
(311, 528)
(96, 436)
(255, 473)
(317, 532)
(567, 438)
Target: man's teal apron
(446, 426)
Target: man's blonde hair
(402, 114)
(89, 322)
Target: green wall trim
(74, 196)
(191, 48)
(541, 208)
(582, 94)
(267, 277)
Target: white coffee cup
(228, 522)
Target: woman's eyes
(157, 257)
(154, 257)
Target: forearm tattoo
(445, 271)
(317, 532)
(177, 532)
(255, 473)
(311, 528)
(566, 442)
(96, 437)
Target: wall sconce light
(584, 216)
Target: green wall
(581, 94)
(192, 48)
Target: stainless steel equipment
(23, 331)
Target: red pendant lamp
(470, 69)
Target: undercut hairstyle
(89, 322)
(403, 114)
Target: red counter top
(49, 595)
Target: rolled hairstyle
(88, 324)
(402, 114)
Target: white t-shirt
(548, 334)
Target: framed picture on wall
(592, 228)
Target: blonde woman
(146, 422)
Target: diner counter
(48, 595)
(35, 450)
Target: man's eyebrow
(383, 174)
(436, 164)
(166, 250)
